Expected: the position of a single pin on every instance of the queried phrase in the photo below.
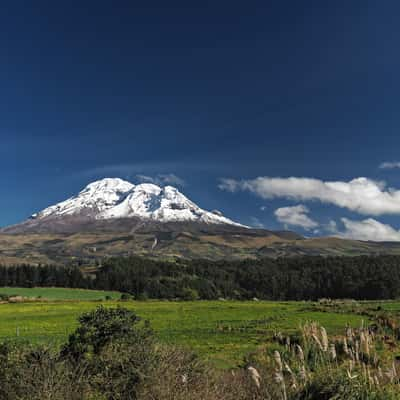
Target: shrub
(98, 328)
(189, 294)
(122, 366)
(126, 297)
(118, 352)
(38, 373)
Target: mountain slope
(86, 248)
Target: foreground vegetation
(113, 354)
(215, 349)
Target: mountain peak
(114, 184)
(113, 198)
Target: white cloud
(129, 170)
(331, 226)
(256, 223)
(390, 165)
(295, 216)
(368, 229)
(161, 179)
(144, 178)
(361, 195)
(230, 185)
(171, 179)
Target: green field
(53, 293)
(221, 331)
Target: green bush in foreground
(98, 328)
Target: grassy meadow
(220, 331)
(52, 293)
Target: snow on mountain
(112, 198)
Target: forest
(300, 278)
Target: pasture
(53, 293)
(220, 331)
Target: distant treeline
(301, 278)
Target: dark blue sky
(203, 90)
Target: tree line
(299, 278)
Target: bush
(98, 328)
(126, 297)
(189, 294)
(118, 352)
(38, 373)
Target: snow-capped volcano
(113, 198)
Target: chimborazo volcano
(113, 217)
(117, 205)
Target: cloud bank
(161, 179)
(295, 216)
(256, 223)
(368, 229)
(390, 165)
(361, 195)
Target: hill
(87, 247)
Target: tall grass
(348, 366)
